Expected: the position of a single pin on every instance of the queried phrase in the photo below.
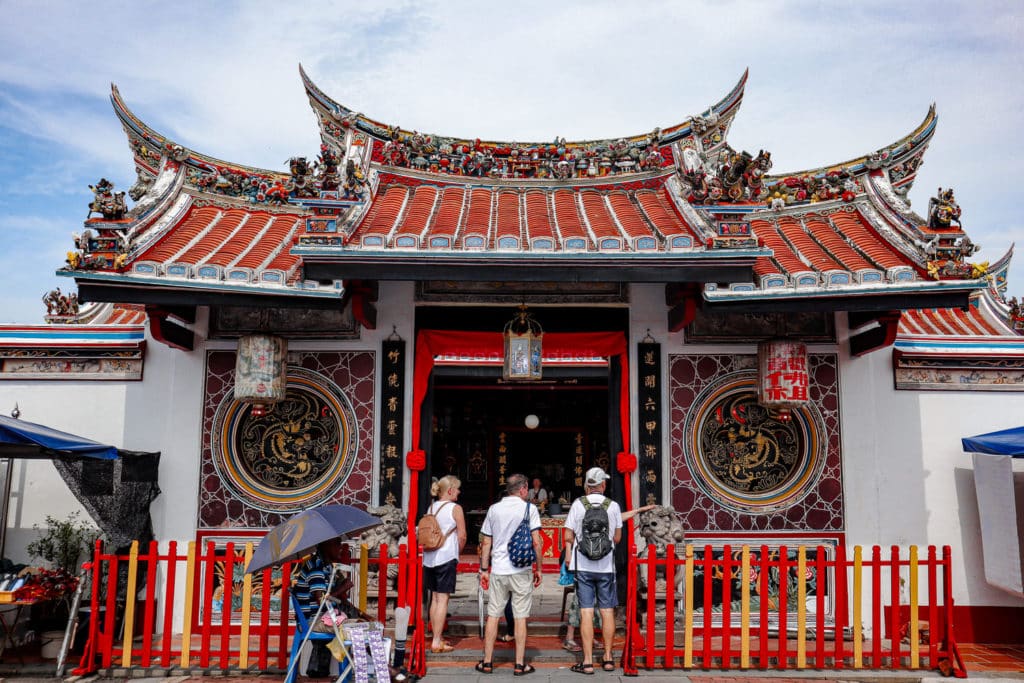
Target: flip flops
(522, 669)
(608, 664)
(582, 668)
(445, 647)
(484, 667)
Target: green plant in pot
(62, 544)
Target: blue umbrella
(304, 531)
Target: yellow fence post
(688, 623)
(129, 609)
(915, 638)
(364, 573)
(745, 609)
(801, 607)
(243, 644)
(186, 632)
(858, 630)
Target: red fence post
(763, 599)
(783, 606)
(894, 614)
(956, 661)
(841, 592)
(632, 595)
(87, 664)
(726, 607)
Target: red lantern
(782, 376)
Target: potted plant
(61, 544)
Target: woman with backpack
(441, 563)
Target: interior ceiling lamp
(261, 371)
(782, 376)
(532, 421)
(523, 337)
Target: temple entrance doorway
(484, 429)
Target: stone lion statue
(391, 531)
(660, 527)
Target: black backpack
(594, 542)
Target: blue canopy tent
(1005, 442)
(114, 486)
(1000, 493)
(21, 439)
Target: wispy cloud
(829, 81)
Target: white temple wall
(95, 410)
(905, 474)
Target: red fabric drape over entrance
(431, 343)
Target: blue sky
(828, 82)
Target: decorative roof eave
(151, 149)
(725, 107)
(308, 290)
(986, 346)
(77, 336)
(895, 158)
(734, 265)
(998, 271)
(959, 292)
(72, 352)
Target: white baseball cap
(595, 475)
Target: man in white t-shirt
(500, 577)
(595, 578)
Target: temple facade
(783, 358)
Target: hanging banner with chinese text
(392, 422)
(649, 422)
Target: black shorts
(441, 579)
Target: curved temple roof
(628, 209)
(726, 107)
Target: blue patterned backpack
(520, 546)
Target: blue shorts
(596, 590)
(441, 579)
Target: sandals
(523, 669)
(582, 668)
(445, 647)
(608, 664)
(507, 638)
(572, 646)
(484, 667)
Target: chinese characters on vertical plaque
(649, 421)
(392, 422)
(502, 458)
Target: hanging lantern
(523, 337)
(782, 377)
(261, 371)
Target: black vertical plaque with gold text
(649, 421)
(392, 422)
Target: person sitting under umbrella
(310, 589)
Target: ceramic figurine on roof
(326, 169)
(301, 183)
(1016, 315)
(106, 202)
(60, 306)
(943, 211)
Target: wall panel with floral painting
(314, 447)
(739, 467)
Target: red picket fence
(785, 608)
(226, 624)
